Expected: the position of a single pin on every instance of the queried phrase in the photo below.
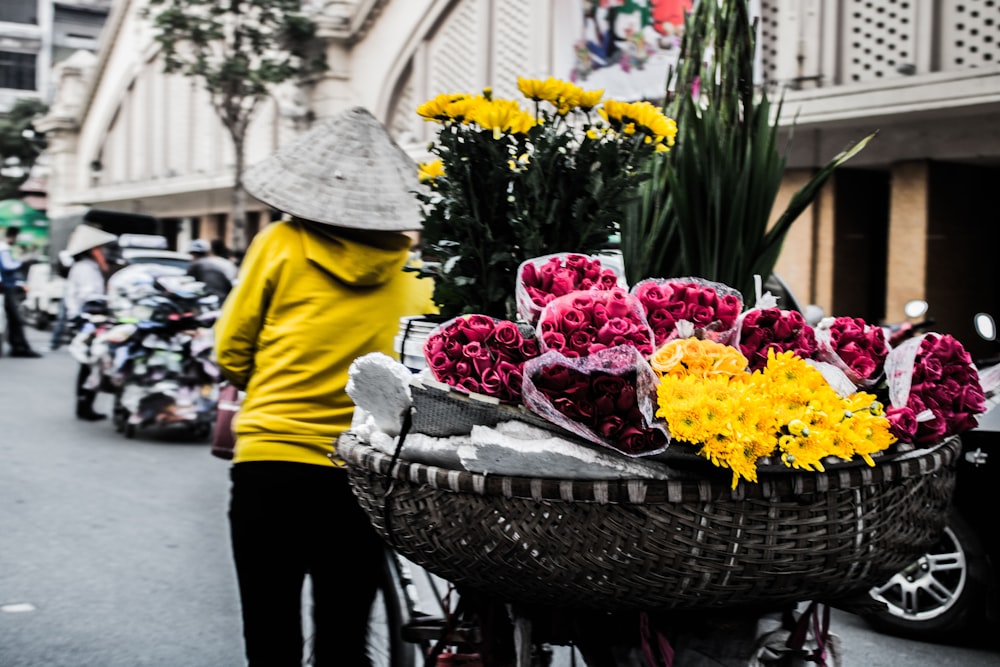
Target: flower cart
(650, 436)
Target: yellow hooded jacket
(310, 300)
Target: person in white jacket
(86, 280)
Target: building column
(908, 223)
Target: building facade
(35, 35)
(907, 218)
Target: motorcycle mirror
(985, 326)
(915, 308)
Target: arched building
(909, 217)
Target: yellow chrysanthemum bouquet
(514, 181)
(787, 410)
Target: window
(19, 11)
(17, 70)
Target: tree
(240, 49)
(20, 145)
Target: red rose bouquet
(608, 397)
(855, 347)
(712, 308)
(763, 329)
(586, 322)
(480, 354)
(934, 389)
(543, 279)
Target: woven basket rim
(639, 491)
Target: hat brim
(347, 172)
(85, 237)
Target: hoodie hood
(354, 257)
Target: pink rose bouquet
(857, 348)
(586, 322)
(543, 279)
(934, 389)
(711, 308)
(763, 329)
(480, 354)
(608, 398)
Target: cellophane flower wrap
(711, 307)
(543, 279)
(855, 347)
(480, 354)
(786, 409)
(585, 322)
(762, 330)
(934, 389)
(607, 397)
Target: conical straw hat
(347, 171)
(85, 237)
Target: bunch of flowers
(763, 330)
(787, 410)
(853, 346)
(712, 308)
(541, 280)
(480, 354)
(933, 387)
(698, 358)
(585, 322)
(512, 182)
(606, 397)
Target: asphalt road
(115, 553)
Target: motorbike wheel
(942, 596)
(130, 431)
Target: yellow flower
(590, 99)
(697, 357)
(428, 171)
(538, 90)
(444, 107)
(501, 116)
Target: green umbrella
(33, 223)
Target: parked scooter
(156, 357)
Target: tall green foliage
(240, 49)
(705, 210)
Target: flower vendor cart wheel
(941, 596)
(680, 544)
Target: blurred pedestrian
(86, 282)
(10, 273)
(316, 291)
(217, 273)
(59, 327)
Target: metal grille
(970, 34)
(768, 39)
(880, 39)
(454, 53)
(512, 46)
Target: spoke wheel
(940, 596)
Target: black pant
(15, 328)
(288, 520)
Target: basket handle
(386, 514)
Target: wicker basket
(637, 544)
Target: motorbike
(155, 355)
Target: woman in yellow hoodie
(315, 292)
